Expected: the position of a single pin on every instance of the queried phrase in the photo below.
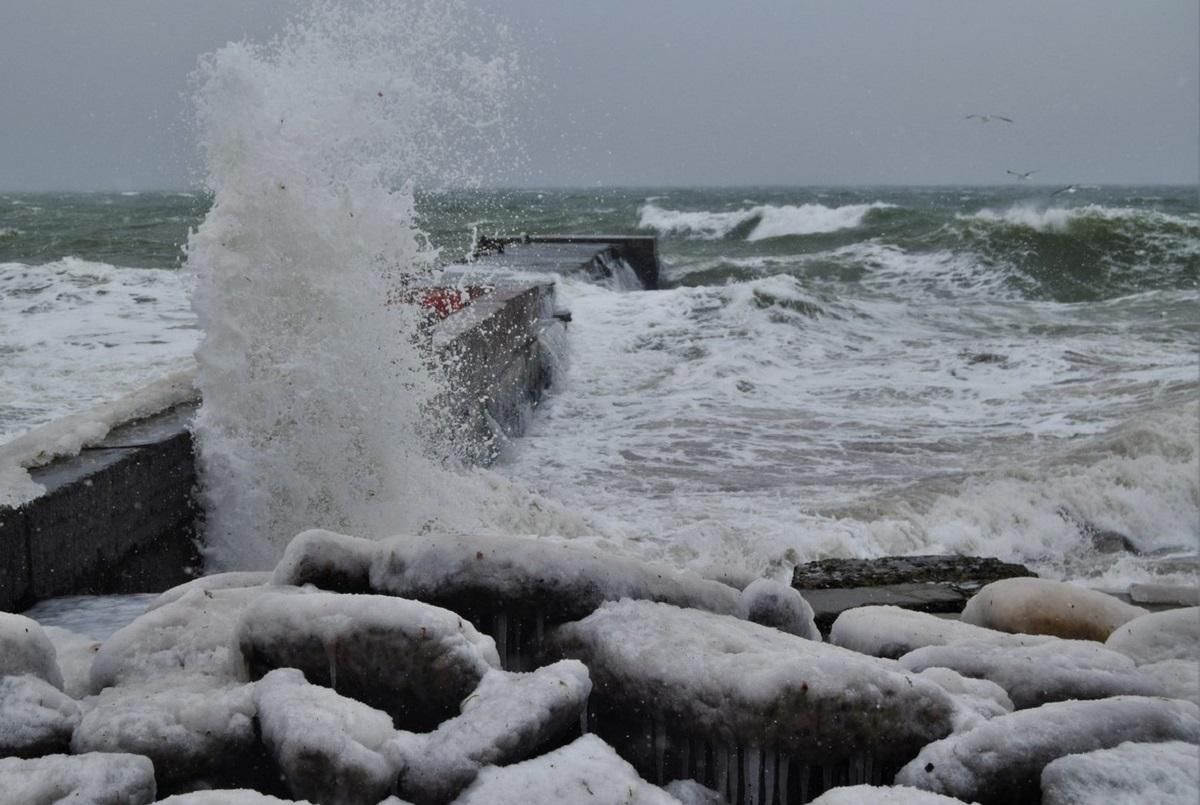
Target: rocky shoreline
(471, 670)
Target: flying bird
(988, 118)
(1071, 188)
(1022, 176)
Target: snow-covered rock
(772, 603)
(980, 697)
(1047, 672)
(93, 779)
(230, 796)
(882, 795)
(328, 748)
(36, 718)
(1001, 760)
(75, 653)
(193, 634)
(1173, 634)
(1180, 679)
(190, 726)
(1042, 606)
(335, 562)
(412, 660)
(218, 581)
(718, 678)
(587, 770)
(690, 792)
(25, 649)
(1161, 773)
(892, 632)
(508, 718)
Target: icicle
(702, 748)
(784, 763)
(826, 777)
(500, 633)
(805, 772)
(541, 629)
(685, 758)
(330, 647)
(870, 773)
(769, 777)
(722, 760)
(735, 766)
(583, 716)
(753, 770)
(516, 660)
(660, 749)
(857, 774)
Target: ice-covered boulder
(75, 653)
(719, 679)
(412, 660)
(892, 632)
(328, 748)
(36, 718)
(774, 604)
(882, 795)
(190, 726)
(192, 635)
(981, 698)
(93, 779)
(690, 792)
(1180, 679)
(230, 796)
(1170, 635)
(1001, 760)
(1047, 672)
(25, 649)
(1161, 773)
(233, 580)
(586, 770)
(334, 562)
(508, 718)
(1042, 606)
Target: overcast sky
(674, 92)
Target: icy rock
(882, 795)
(1157, 636)
(412, 660)
(1042, 606)
(189, 726)
(36, 718)
(334, 562)
(774, 604)
(217, 581)
(94, 779)
(1162, 773)
(587, 770)
(892, 632)
(1001, 760)
(193, 635)
(1047, 672)
(980, 697)
(714, 675)
(230, 796)
(508, 718)
(563, 581)
(25, 649)
(1180, 679)
(690, 792)
(75, 653)
(328, 748)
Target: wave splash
(759, 222)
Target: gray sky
(670, 92)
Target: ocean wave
(758, 222)
(1061, 219)
(10, 232)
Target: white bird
(988, 118)
(1022, 176)
(1071, 188)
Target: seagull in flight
(988, 118)
(1071, 188)
(1022, 175)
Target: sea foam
(767, 220)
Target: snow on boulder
(333, 562)
(190, 726)
(508, 718)
(230, 796)
(328, 748)
(36, 718)
(218, 581)
(192, 635)
(25, 649)
(892, 632)
(723, 680)
(1047, 672)
(412, 660)
(75, 653)
(690, 792)
(1042, 606)
(1001, 760)
(882, 795)
(560, 580)
(1170, 635)
(1161, 773)
(1180, 679)
(587, 770)
(979, 698)
(94, 779)
(772, 603)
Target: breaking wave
(756, 223)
